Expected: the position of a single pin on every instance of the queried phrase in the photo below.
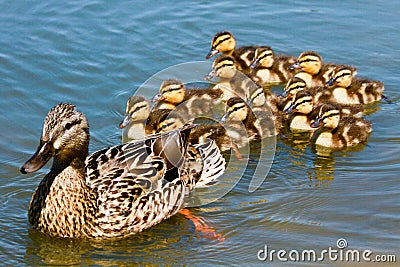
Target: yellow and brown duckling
(269, 69)
(303, 111)
(300, 111)
(259, 124)
(114, 192)
(193, 101)
(312, 70)
(320, 95)
(337, 131)
(136, 113)
(292, 87)
(225, 43)
(348, 89)
(231, 81)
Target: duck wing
(138, 184)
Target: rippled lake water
(96, 54)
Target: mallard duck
(117, 191)
(348, 89)
(268, 68)
(133, 123)
(312, 70)
(258, 124)
(337, 131)
(191, 101)
(225, 43)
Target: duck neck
(64, 159)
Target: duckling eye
(236, 108)
(307, 60)
(221, 41)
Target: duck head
(264, 57)
(171, 91)
(309, 61)
(65, 136)
(137, 108)
(341, 77)
(222, 42)
(328, 116)
(294, 85)
(301, 103)
(236, 109)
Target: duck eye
(68, 126)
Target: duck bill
(225, 117)
(125, 121)
(212, 53)
(210, 75)
(331, 82)
(317, 123)
(289, 109)
(284, 94)
(255, 64)
(43, 154)
(157, 98)
(294, 66)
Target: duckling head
(264, 57)
(222, 42)
(171, 91)
(65, 137)
(328, 116)
(309, 61)
(341, 77)
(137, 108)
(223, 67)
(293, 86)
(301, 103)
(170, 122)
(236, 109)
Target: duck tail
(213, 163)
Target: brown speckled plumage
(113, 192)
(338, 131)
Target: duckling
(117, 191)
(191, 101)
(230, 79)
(352, 90)
(312, 70)
(300, 110)
(225, 43)
(258, 124)
(133, 123)
(337, 131)
(320, 95)
(268, 68)
(293, 85)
